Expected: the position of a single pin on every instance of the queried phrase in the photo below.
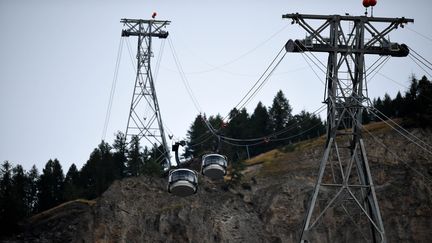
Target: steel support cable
(413, 59)
(374, 67)
(113, 88)
(298, 134)
(262, 83)
(402, 85)
(256, 83)
(183, 77)
(373, 64)
(421, 61)
(371, 108)
(377, 68)
(405, 135)
(420, 34)
(313, 70)
(159, 60)
(130, 55)
(242, 145)
(272, 140)
(420, 56)
(187, 86)
(209, 135)
(397, 156)
(237, 58)
(316, 112)
(316, 58)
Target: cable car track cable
(401, 133)
(318, 111)
(419, 55)
(413, 59)
(397, 157)
(259, 79)
(420, 34)
(262, 83)
(113, 88)
(213, 67)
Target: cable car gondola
(182, 182)
(214, 166)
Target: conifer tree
(280, 116)
(119, 155)
(32, 190)
(7, 207)
(134, 163)
(199, 138)
(50, 185)
(71, 188)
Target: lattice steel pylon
(344, 193)
(145, 120)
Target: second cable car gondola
(182, 182)
(214, 166)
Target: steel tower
(145, 119)
(344, 185)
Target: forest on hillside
(25, 193)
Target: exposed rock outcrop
(268, 206)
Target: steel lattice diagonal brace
(344, 194)
(145, 120)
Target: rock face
(268, 206)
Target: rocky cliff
(267, 206)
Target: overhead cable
(113, 88)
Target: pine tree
(199, 138)
(151, 161)
(98, 172)
(280, 115)
(19, 185)
(280, 112)
(424, 102)
(387, 107)
(119, 156)
(398, 105)
(71, 188)
(134, 163)
(259, 127)
(7, 207)
(32, 189)
(238, 128)
(378, 104)
(50, 185)
(307, 126)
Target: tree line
(245, 134)
(415, 106)
(25, 193)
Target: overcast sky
(57, 60)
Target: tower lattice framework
(344, 193)
(145, 120)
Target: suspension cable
(219, 67)
(159, 60)
(424, 59)
(371, 109)
(183, 77)
(397, 157)
(256, 83)
(414, 60)
(113, 88)
(420, 34)
(277, 133)
(262, 83)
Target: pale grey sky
(57, 60)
